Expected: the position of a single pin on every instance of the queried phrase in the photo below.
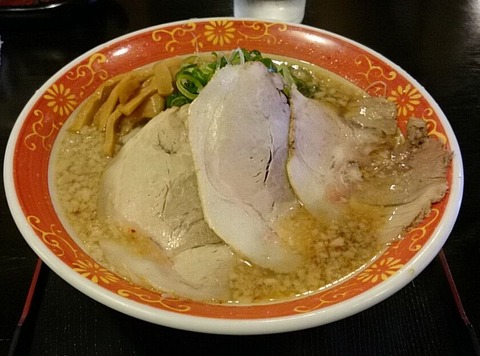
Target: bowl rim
(232, 326)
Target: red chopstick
(459, 304)
(26, 307)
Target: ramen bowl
(29, 186)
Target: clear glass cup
(279, 10)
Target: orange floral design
(381, 270)
(87, 73)
(253, 31)
(406, 98)
(376, 77)
(60, 99)
(333, 296)
(170, 303)
(219, 32)
(94, 272)
(180, 36)
(51, 235)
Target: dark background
(437, 42)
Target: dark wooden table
(436, 41)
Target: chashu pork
(238, 129)
(200, 273)
(406, 181)
(326, 148)
(149, 190)
(354, 157)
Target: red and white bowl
(27, 159)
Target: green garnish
(195, 74)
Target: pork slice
(353, 158)
(373, 113)
(238, 130)
(150, 186)
(150, 192)
(200, 273)
(325, 151)
(407, 182)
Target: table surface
(436, 41)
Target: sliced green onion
(195, 74)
